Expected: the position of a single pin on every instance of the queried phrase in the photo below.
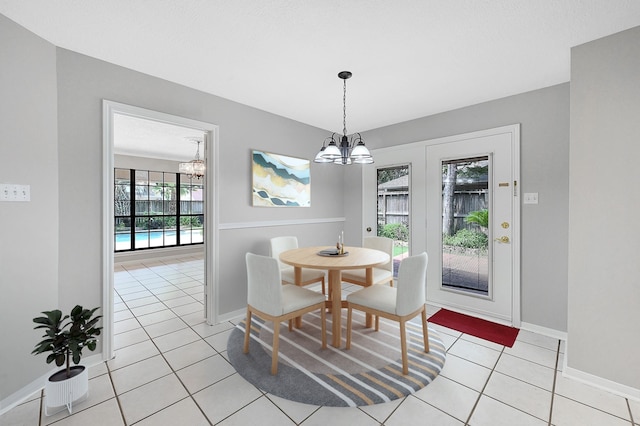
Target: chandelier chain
(344, 108)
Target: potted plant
(64, 339)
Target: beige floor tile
(140, 373)
(131, 354)
(590, 395)
(184, 412)
(449, 396)
(567, 412)
(165, 327)
(475, 353)
(156, 317)
(125, 325)
(141, 302)
(178, 301)
(122, 315)
(137, 295)
(148, 309)
(491, 345)
(219, 341)
(413, 409)
(26, 414)
(520, 395)
(104, 414)
(340, 416)
(380, 412)
(490, 412)
(260, 412)
(533, 353)
(194, 318)
(188, 354)
(296, 411)
(527, 371)
(538, 340)
(635, 410)
(151, 398)
(176, 339)
(465, 372)
(206, 330)
(189, 308)
(129, 338)
(205, 373)
(226, 397)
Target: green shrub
(467, 239)
(395, 231)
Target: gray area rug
(369, 373)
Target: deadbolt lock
(503, 239)
(505, 225)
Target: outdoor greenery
(466, 238)
(479, 217)
(395, 231)
(65, 340)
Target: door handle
(504, 239)
(368, 229)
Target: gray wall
(67, 194)
(604, 283)
(544, 118)
(29, 238)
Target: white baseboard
(550, 332)
(600, 383)
(37, 385)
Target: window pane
(142, 240)
(122, 233)
(142, 177)
(142, 208)
(156, 238)
(122, 176)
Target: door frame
(415, 154)
(109, 108)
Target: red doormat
(487, 330)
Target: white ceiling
(409, 58)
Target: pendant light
(194, 168)
(350, 150)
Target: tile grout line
(475, 405)
(553, 387)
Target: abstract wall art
(280, 181)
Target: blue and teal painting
(280, 181)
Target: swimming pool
(158, 238)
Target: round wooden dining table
(354, 258)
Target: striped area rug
(369, 373)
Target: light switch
(530, 198)
(13, 192)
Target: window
(156, 209)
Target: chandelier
(194, 168)
(350, 150)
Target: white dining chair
(309, 276)
(400, 303)
(269, 299)
(381, 274)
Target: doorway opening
(158, 152)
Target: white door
(501, 147)
(464, 275)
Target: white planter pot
(63, 393)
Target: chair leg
(377, 328)
(247, 331)
(403, 346)
(275, 346)
(425, 330)
(323, 287)
(348, 345)
(323, 318)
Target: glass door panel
(465, 225)
(393, 207)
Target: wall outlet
(530, 198)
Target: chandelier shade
(346, 150)
(194, 168)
